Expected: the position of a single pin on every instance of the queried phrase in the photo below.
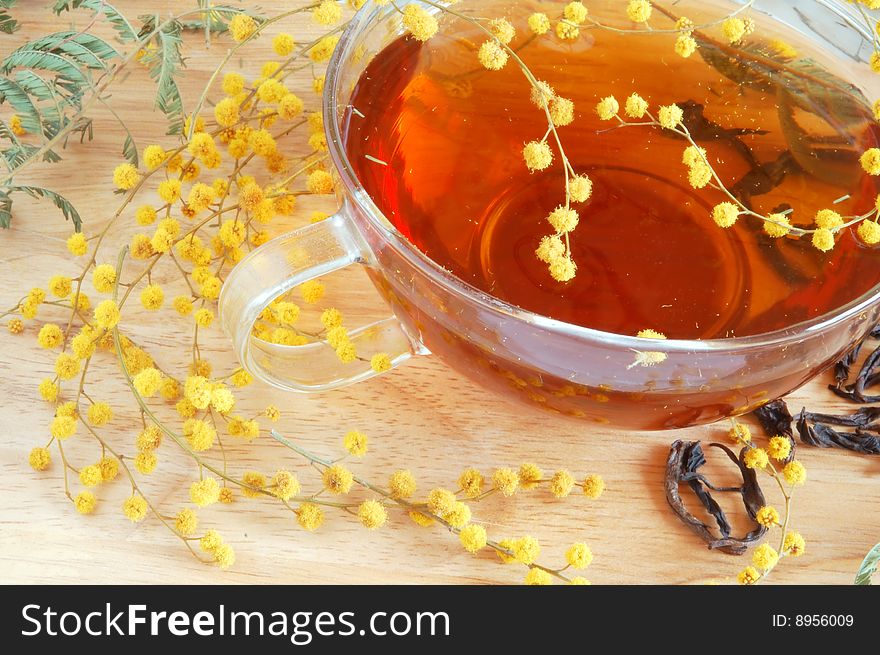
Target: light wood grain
(422, 417)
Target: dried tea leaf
(823, 436)
(682, 466)
(776, 421)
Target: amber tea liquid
(648, 255)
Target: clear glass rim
(354, 191)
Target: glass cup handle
(277, 267)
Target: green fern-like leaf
(22, 103)
(163, 64)
(77, 49)
(119, 22)
(7, 23)
(62, 203)
(5, 209)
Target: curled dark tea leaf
(821, 435)
(682, 466)
(776, 421)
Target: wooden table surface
(423, 417)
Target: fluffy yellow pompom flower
(242, 27)
(182, 305)
(66, 366)
(748, 576)
(402, 484)
(319, 182)
(48, 390)
(563, 220)
(107, 314)
(870, 161)
(869, 232)
(458, 515)
(39, 458)
(639, 11)
(90, 476)
(284, 485)
(561, 111)
(186, 522)
(828, 219)
(823, 239)
(226, 112)
(253, 484)
(420, 24)
(505, 480)
(147, 382)
(380, 362)
(233, 84)
(324, 48)
(538, 577)
(529, 475)
(550, 249)
(575, 12)
(309, 516)
(337, 479)
(50, 336)
(473, 537)
(15, 326)
(767, 516)
(700, 175)
(795, 473)
(563, 269)
(135, 508)
(594, 486)
(62, 427)
(580, 188)
(733, 29)
(579, 555)
(60, 286)
(765, 557)
(154, 156)
(561, 483)
(492, 56)
(440, 500)
(77, 244)
(372, 514)
(539, 23)
(283, 44)
(290, 106)
(104, 277)
(16, 126)
(794, 544)
(355, 443)
(777, 225)
(502, 30)
(204, 492)
(125, 176)
(670, 116)
(526, 550)
(607, 108)
(169, 190)
(779, 448)
(756, 458)
(471, 482)
(636, 106)
(100, 414)
(327, 13)
(725, 214)
(685, 45)
(566, 31)
(204, 317)
(537, 155)
(85, 502)
(109, 468)
(152, 297)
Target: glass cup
(563, 368)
